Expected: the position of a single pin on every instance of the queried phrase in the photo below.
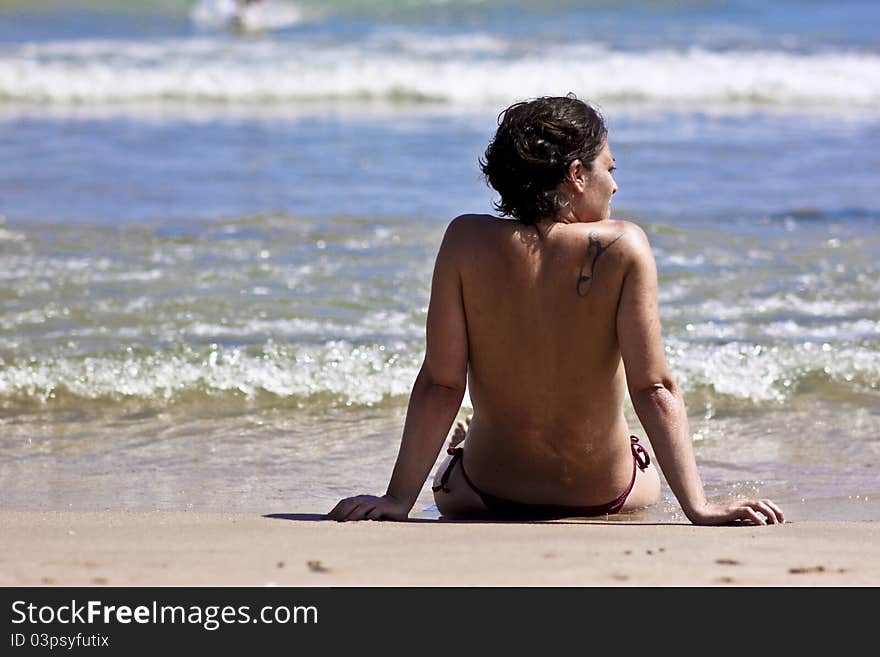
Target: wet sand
(208, 549)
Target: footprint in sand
(803, 570)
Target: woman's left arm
(436, 395)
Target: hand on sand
(758, 512)
(369, 507)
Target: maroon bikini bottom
(498, 507)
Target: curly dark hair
(534, 145)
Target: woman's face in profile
(593, 202)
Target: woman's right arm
(658, 401)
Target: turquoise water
(216, 237)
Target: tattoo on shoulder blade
(594, 250)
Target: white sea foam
(864, 328)
(759, 374)
(10, 236)
(349, 373)
(785, 329)
(784, 304)
(346, 373)
(458, 70)
(387, 324)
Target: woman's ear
(576, 175)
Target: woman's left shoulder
(468, 227)
(474, 221)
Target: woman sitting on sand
(548, 318)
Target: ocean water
(217, 234)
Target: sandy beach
(215, 549)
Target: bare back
(544, 366)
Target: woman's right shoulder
(636, 258)
(634, 237)
(626, 230)
(635, 248)
(625, 238)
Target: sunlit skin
(578, 296)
